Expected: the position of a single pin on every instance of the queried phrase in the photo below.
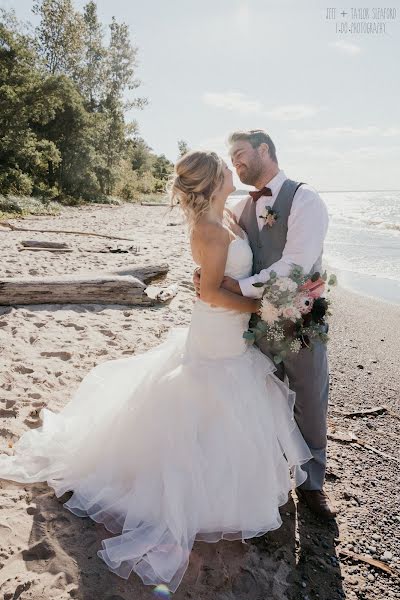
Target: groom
(296, 237)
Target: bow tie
(263, 192)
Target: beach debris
(46, 249)
(122, 249)
(44, 244)
(147, 273)
(124, 287)
(167, 293)
(375, 410)
(350, 438)
(88, 233)
(377, 564)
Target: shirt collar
(275, 183)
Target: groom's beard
(250, 174)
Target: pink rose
(291, 313)
(270, 220)
(315, 289)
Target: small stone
(303, 584)
(360, 366)
(387, 555)
(371, 577)
(376, 537)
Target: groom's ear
(264, 149)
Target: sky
(328, 98)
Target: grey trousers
(308, 375)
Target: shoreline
(368, 286)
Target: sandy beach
(48, 553)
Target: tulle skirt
(164, 449)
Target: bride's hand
(196, 281)
(232, 285)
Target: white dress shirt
(307, 227)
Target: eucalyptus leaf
(249, 335)
(332, 280)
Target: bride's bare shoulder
(209, 232)
(207, 235)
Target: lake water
(363, 242)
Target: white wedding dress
(192, 440)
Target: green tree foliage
(183, 147)
(64, 97)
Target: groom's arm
(307, 227)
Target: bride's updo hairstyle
(197, 176)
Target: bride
(192, 440)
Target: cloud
(346, 47)
(291, 112)
(241, 103)
(241, 15)
(232, 101)
(340, 132)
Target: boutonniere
(270, 216)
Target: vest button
(259, 245)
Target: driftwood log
(45, 249)
(82, 289)
(146, 274)
(43, 244)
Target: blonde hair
(197, 176)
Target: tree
(183, 147)
(60, 36)
(24, 103)
(93, 71)
(162, 168)
(63, 128)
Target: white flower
(295, 346)
(285, 284)
(269, 313)
(290, 312)
(304, 303)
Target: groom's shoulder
(307, 197)
(308, 191)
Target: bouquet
(293, 312)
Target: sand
(48, 553)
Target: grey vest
(268, 244)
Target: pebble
(376, 537)
(387, 555)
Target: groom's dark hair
(256, 137)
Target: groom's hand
(232, 285)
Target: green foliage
(183, 147)
(63, 106)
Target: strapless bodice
(217, 332)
